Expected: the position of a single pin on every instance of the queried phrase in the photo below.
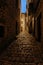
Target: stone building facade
(17, 16)
(9, 14)
(35, 13)
(39, 20)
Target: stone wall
(37, 13)
(8, 16)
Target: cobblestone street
(23, 51)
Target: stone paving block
(6, 63)
(40, 64)
(30, 64)
(22, 51)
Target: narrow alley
(23, 51)
(21, 32)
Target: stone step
(16, 63)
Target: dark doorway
(16, 27)
(30, 28)
(39, 27)
(1, 31)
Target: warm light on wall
(22, 21)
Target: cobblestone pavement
(23, 51)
